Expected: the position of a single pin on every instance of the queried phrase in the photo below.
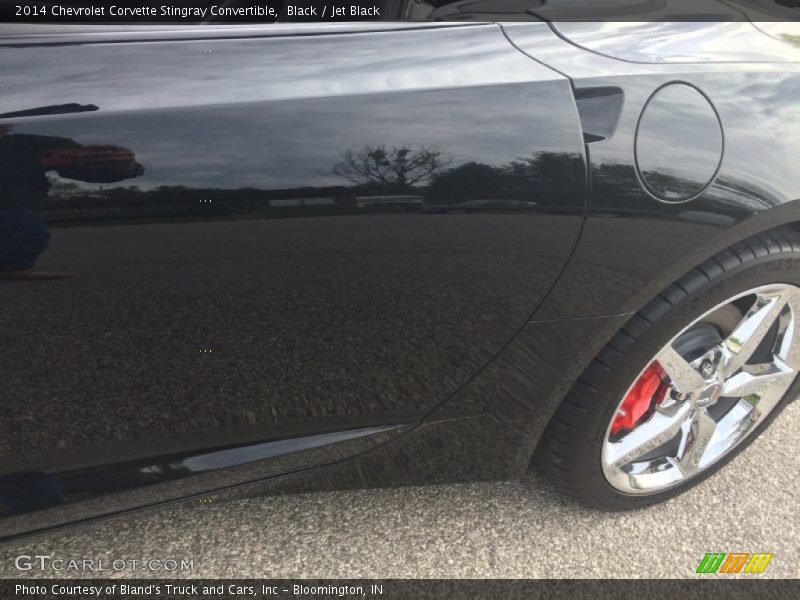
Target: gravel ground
(516, 529)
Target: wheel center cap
(707, 368)
(710, 394)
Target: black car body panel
(366, 255)
(753, 189)
(299, 235)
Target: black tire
(569, 452)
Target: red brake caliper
(650, 389)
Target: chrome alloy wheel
(697, 400)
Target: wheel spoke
(789, 348)
(695, 441)
(742, 417)
(646, 476)
(681, 373)
(647, 437)
(777, 375)
(686, 437)
(768, 398)
(750, 332)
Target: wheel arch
(639, 334)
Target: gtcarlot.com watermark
(48, 562)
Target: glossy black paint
(633, 244)
(254, 255)
(253, 265)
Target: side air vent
(599, 109)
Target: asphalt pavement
(516, 529)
